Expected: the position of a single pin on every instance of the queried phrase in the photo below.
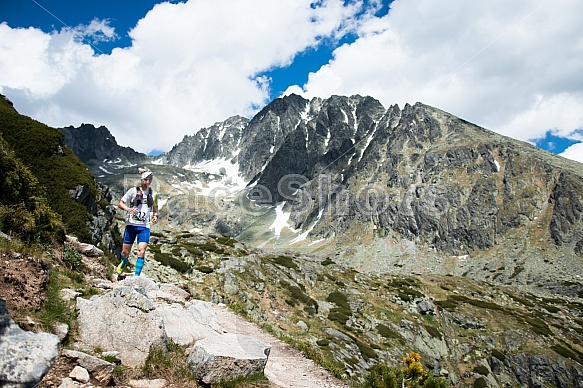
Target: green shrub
(72, 259)
(323, 342)
(339, 299)
(567, 353)
(383, 376)
(387, 332)
(172, 262)
(480, 383)
(411, 375)
(538, 326)
(433, 331)
(498, 354)
(447, 304)
(193, 249)
(226, 240)
(284, 261)
(24, 211)
(205, 269)
(481, 369)
(365, 349)
(339, 315)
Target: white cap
(146, 174)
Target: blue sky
(155, 71)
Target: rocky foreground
(467, 330)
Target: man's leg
(125, 254)
(141, 255)
(128, 240)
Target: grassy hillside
(41, 149)
(24, 211)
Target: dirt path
(286, 367)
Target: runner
(139, 202)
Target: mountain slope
(70, 189)
(347, 163)
(381, 188)
(429, 233)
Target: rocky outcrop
(540, 371)
(123, 320)
(220, 141)
(98, 144)
(100, 369)
(567, 209)
(139, 315)
(428, 175)
(26, 356)
(102, 224)
(227, 357)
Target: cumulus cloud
(96, 31)
(515, 67)
(574, 152)
(189, 65)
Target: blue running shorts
(132, 231)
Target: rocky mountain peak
(92, 144)
(348, 165)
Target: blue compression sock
(139, 265)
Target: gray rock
(302, 325)
(425, 307)
(67, 294)
(100, 369)
(156, 383)
(68, 382)
(80, 374)
(124, 320)
(61, 330)
(338, 334)
(185, 326)
(26, 356)
(228, 356)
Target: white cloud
(574, 152)
(515, 67)
(190, 65)
(96, 31)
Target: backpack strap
(150, 198)
(138, 197)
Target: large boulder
(139, 314)
(228, 356)
(124, 320)
(25, 356)
(187, 325)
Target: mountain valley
(359, 233)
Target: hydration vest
(140, 195)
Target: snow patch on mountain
(224, 178)
(280, 221)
